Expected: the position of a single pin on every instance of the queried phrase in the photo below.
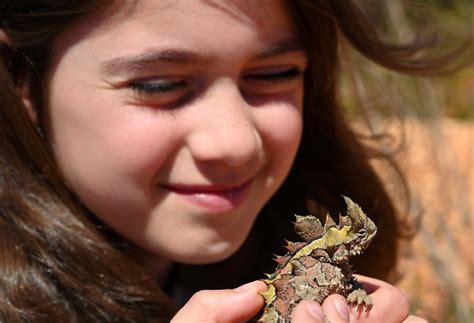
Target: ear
(23, 86)
(22, 82)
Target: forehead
(226, 27)
(161, 16)
(249, 11)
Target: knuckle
(203, 299)
(415, 319)
(401, 300)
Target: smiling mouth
(214, 198)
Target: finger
(415, 319)
(307, 312)
(390, 305)
(230, 305)
(336, 309)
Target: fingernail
(342, 308)
(245, 287)
(315, 310)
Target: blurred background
(427, 125)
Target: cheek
(283, 133)
(105, 149)
(99, 141)
(282, 124)
(281, 129)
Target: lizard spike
(344, 220)
(289, 243)
(329, 223)
(293, 246)
(299, 218)
(354, 212)
(281, 260)
(308, 227)
(290, 246)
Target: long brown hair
(58, 263)
(55, 264)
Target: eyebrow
(281, 47)
(145, 60)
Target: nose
(225, 129)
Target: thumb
(229, 305)
(307, 311)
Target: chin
(211, 253)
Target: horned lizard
(319, 267)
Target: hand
(229, 305)
(390, 306)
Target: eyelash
(165, 86)
(281, 76)
(157, 87)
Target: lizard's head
(355, 231)
(362, 229)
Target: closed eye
(288, 74)
(272, 80)
(157, 86)
(161, 92)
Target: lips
(214, 198)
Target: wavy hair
(59, 263)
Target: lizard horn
(329, 222)
(354, 212)
(344, 220)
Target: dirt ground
(437, 267)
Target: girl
(157, 150)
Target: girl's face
(176, 121)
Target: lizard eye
(362, 233)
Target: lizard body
(318, 267)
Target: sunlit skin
(173, 138)
(174, 122)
